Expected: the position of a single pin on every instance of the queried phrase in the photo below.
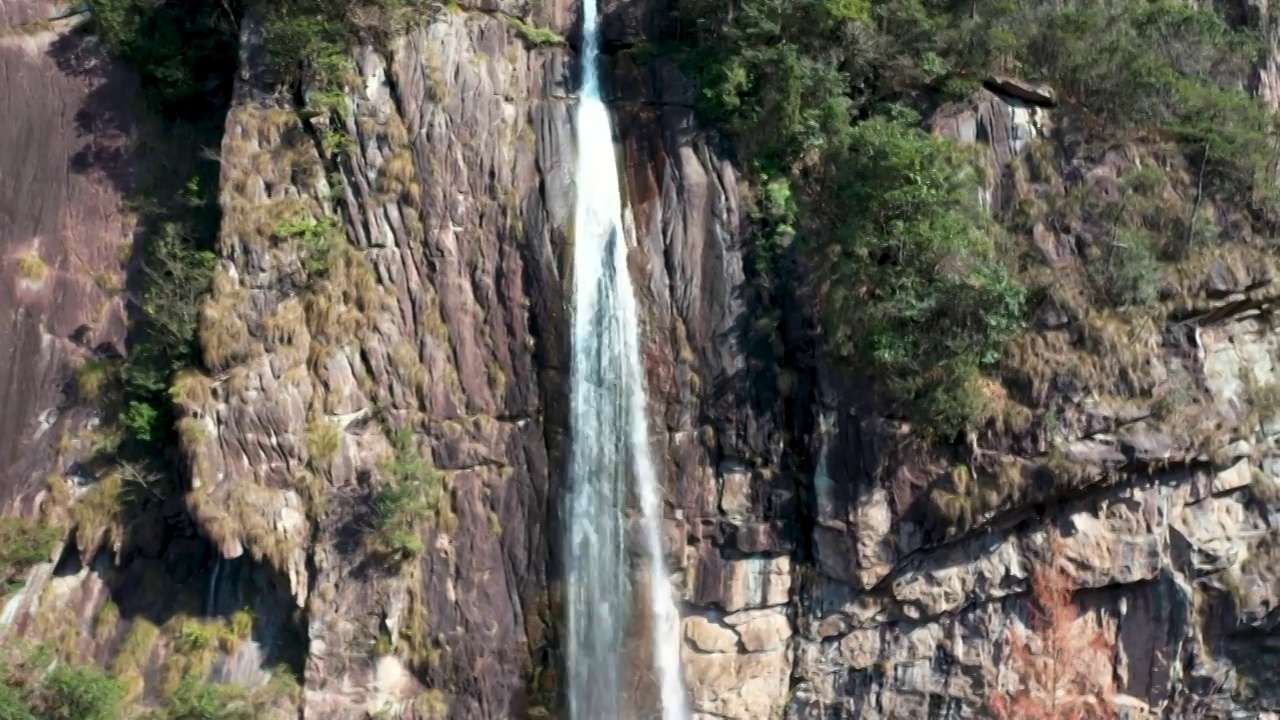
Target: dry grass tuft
(106, 622)
(966, 500)
(192, 390)
(322, 439)
(397, 133)
(405, 360)
(31, 268)
(224, 335)
(93, 378)
(497, 381)
(111, 282)
(432, 705)
(285, 330)
(196, 645)
(398, 173)
(347, 300)
(1006, 415)
(134, 656)
(96, 514)
(1110, 352)
(194, 432)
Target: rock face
(443, 316)
(826, 569)
(63, 232)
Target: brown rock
(707, 636)
(1027, 92)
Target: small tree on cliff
(1062, 668)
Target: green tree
(71, 692)
(185, 50)
(915, 290)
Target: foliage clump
(185, 50)
(915, 289)
(30, 690)
(31, 268)
(317, 242)
(35, 687)
(412, 493)
(534, 35)
(24, 543)
(810, 91)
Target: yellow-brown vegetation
(96, 514)
(432, 705)
(106, 621)
(31, 267)
(224, 336)
(322, 439)
(405, 360)
(964, 500)
(134, 656)
(192, 390)
(93, 378)
(398, 173)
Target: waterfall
(610, 439)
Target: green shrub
(413, 492)
(1127, 271)
(317, 241)
(176, 273)
(195, 699)
(71, 692)
(915, 289)
(185, 50)
(14, 705)
(23, 543)
(93, 379)
(308, 37)
(535, 36)
(916, 293)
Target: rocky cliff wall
(64, 233)
(829, 565)
(447, 315)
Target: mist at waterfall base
(610, 443)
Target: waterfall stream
(610, 442)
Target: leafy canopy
(915, 291)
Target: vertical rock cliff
(63, 230)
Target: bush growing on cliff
(175, 277)
(317, 241)
(794, 83)
(72, 692)
(784, 76)
(412, 493)
(23, 543)
(914, 287)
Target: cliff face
(397, 259)
(63, 235)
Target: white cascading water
(610, 438)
